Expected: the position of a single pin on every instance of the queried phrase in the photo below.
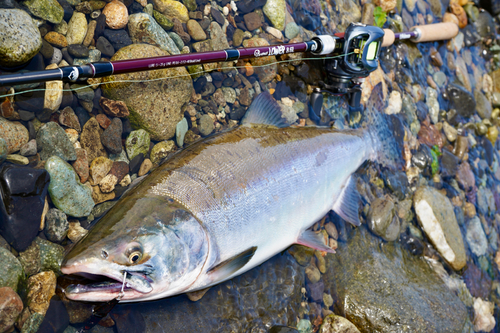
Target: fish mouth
(109, 284)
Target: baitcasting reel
(358, 49)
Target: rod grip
(389, 38)
(434, 32)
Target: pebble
(461, 100)
(162, 20)
(476, 238)
(137, 143)
(81, 164)
(41, 288)
(483, 315)
(30, 259)
(24, 188)
(51, 140)
(382, 220)
(17, 159)
(98, 196)
(51, 255)
(180, 131)
(65, 189)
(337, 324)
(275, 12)
(77, 28)
(145, 167)
(436, 216)
(61, 27)
(265, 67)
(483, 105)
(14, 134)
(99, 168)
(195, 30)
(68, 118)
(105, 47)
(116, 15)
(119, 169)
(107, 184)
(20, 37)
(450, 132)
(313, 274)
(56, 225)
(432, 103)
(76, 231)
(118, 38)
(111, 137)
(206, 125)
(144, 29)
(252, 21)
(11, 269)
(32, 323)
(161, 150)
(11, 306)
(395, 103)
(172, 8)
(90, 140)
(29, 149)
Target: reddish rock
(252, 21)
(465, 177)
(81, 165)
(103, 120)
(119, 169)
(114, 108)
(429, 135)
(11, 306)
(6, 109)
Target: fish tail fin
(383, 134)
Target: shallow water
(378, 285)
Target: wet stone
(78, 50)
(137, 143)
(51, 255)
(33, 322)
(105, 47)
(448, 164)
(103, 120)
(76, 231)
(135, 163)
(436, 216)
(14, 134)
(477, 281)
(461, 100)
(11, 306)
(29, 149)
(91, 140)
(24, 189)
(144, 29)
(483, 105)
(53, 141)
(66, 191)
(382, 220)
(476, 238)
(145, 167)
(117, 38)
(206, 125)
(111, 137)
(402, 288)
(11, 269)
(56, 225)
(81, 164)
(68, 118)
(30, 259)
(41, 288)
(337, 324)
(252, 21)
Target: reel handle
(423, 33)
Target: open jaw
(108, 285)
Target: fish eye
(134, 257)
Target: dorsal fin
(264, 110)
(226, 268)
(347, 205)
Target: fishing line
(165, 78)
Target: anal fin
(313, 240)
(226, 268)
(347, 205)
(264, 110)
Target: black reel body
(358, 51)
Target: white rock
(483, 315)
(225, 11)
(275, 32)
(53, 92)
(395, 103)
(233, 6)
(432, 103)
(207, 9)
(450, 132)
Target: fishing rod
(355, 55)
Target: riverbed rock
(56, 225)
(236, 301)
(137, 143)
(476, 238)
(23, 191)
(461, 100)
(171, 9)
(14, 134)
(30, 259)
(367, 277)
(66, 191)
(21, 39)
(114, 108)
(53, 141)
(437, 218)
(77, 28)
(41, 288)
(116, 14)
(99, 168)
(51, 255)
(144, 29)
(275, 12)
(112, 136)
(11, 306)
(382, 219)
(49, 10)
(158, 109)
(11, 269)
(337, 324)
(91, 140)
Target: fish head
(142, 249)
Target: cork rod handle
(433, 32)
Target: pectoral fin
(226, 268)
(347, 205)
(264, 110)
(197, 295)
(313, 240)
